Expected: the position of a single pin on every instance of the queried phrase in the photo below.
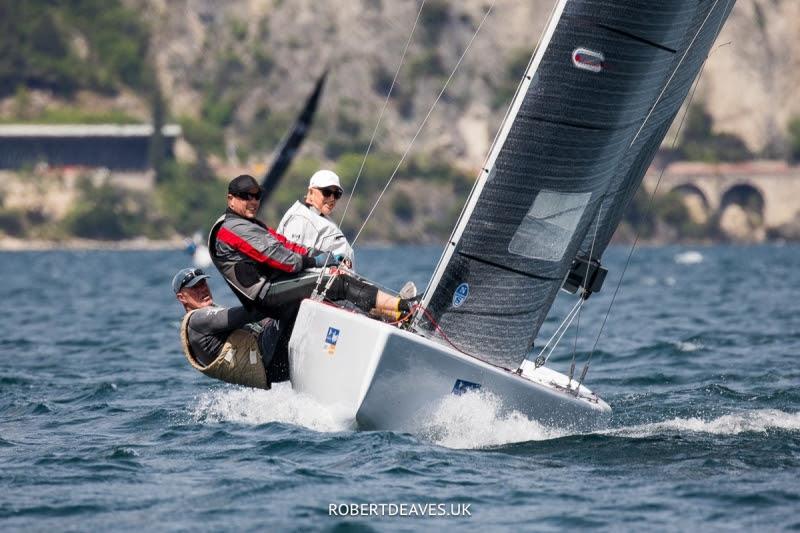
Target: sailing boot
(409, 290)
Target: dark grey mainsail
(595, 104)
(707, 24)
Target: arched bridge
(770, 190)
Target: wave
(477, 420)
(474, 420)
(756, 421)
(688, 346)
(280, 404)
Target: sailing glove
(326, 259)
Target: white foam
(759, 420)
(690, 257)
(474, 420)
(688, 346)
(280, 404)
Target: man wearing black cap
(231, 344)
(265, 269)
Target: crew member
(269, 272)
(231, 344)
(308, 221)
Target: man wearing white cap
(308, 221)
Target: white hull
(387, 378)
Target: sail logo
(586, 59)
(331, 338)
(463, 386)
(460, 294)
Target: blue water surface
(104, 426)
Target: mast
(590, 112)
(494, 151)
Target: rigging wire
(424, 121)
(559, 332)
(383, 110)
(661, 174)
(485, 164)
(581, 296)
(369, 147)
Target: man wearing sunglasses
(231, 344)
(308, 221)
(269, 272)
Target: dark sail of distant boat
(291, 142)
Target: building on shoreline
(112, 146)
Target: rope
(424, 121)
(436, 327)
(658, 182)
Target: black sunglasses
(190, 276)
(336, 193)
(248, 195)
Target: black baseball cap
(242, 183)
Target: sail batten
(591, 111)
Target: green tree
(794, 140)
(105, 213)
(190, 197)
(700, 143)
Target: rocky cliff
(261, 56)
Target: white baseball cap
(324, 178)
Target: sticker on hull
(331, 338)
(463, 386)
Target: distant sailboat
(595, 103)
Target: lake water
(104, 426)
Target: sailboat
(594, 105)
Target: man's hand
(325, 259)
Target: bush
(515, 69)
(794, 140)
(433, 19)
(377, 170)
(293, 186)
(381, 80)
(190, 197)
(267, 129)
(403, 207)
(700, 143)
(668, 209)
(207, 137)
(36, 46)
(427, 64)
(13, 222)
(105, 213)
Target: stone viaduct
(768, 189)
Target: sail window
(547, 228)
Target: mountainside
(257, 58)
(235, 73)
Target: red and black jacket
(249, 255)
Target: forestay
(595, 104)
